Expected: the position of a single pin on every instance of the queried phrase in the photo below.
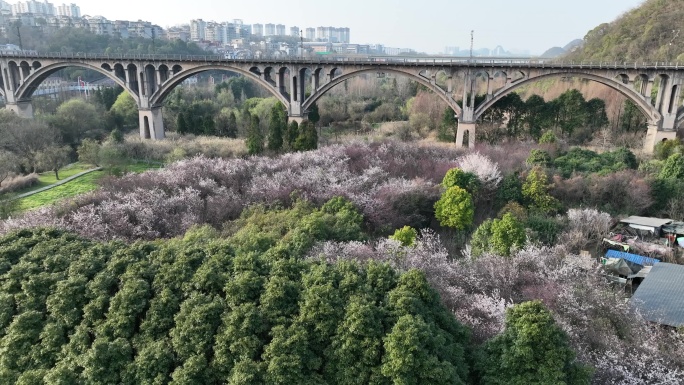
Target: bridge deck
(475, 62)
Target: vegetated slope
(651, 32)
(204, 310)
(393, 184)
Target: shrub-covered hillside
(651, 32)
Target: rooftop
(660, 298)
(646, 221)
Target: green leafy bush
(455, 208)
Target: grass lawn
(47, 178)
(75, 187)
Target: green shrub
(406, 235)
(455, 208)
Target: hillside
(650, 33)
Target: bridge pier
(151, 123)
(465, 132)
(23, 109)
(655, 135)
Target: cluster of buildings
(235, 38)
(46, 15)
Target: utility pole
(18, 25)
(301, 45)
(472, 40)
(154, 49)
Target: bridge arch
(341, 78)
(165, 88)
(31, 83)
(649, 111)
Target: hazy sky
(428, 26)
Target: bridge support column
(298, 119)
(465, 135)
(151, 123)
(655, 135)
(23, 109)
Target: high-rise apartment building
(269, 29)
(70, 10)
(258, 30)
(294, 31)
(197, 29)
(33, 7)
(333, 34)
(310, 34)
(280, 30)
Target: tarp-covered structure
(660, 297)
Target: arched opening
(133, 78)
(641, 84)
(14, 77)
(673, 99)
(267, 75)
(304, 82)
(64, 84)
(150, 79)
(663, 85)
(176, 69)
(163, 74)
(283, 82)
(466, 139)
(119, 72)
(497, 82)
(106, 67)
(339, 78)
(36, 65)
(25, 69)
(146, 128)
(316, 83)
(640, 103)
(623, 78)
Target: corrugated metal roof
(646, 221)
(660, 298)
(638, 259)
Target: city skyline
(533, 25)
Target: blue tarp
(638, 259)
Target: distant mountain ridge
(559, 51)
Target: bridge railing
(374, 60)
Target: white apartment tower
(69, 10)
(197, 29)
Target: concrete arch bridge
(299, 83)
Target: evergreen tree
(181, 124)
(308, 137)
(208, 126)
(314, 116)
(291, 134)
(255, 140)
(277, 127)
(232, 128)
(532, 350)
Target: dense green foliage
(499, 236)
(570, 114)
(205, 309)
(532, 350)
(646, 33)
(462, 179)
(455, 208)
(581, 160)
(406, 235)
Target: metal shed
(660, 298)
